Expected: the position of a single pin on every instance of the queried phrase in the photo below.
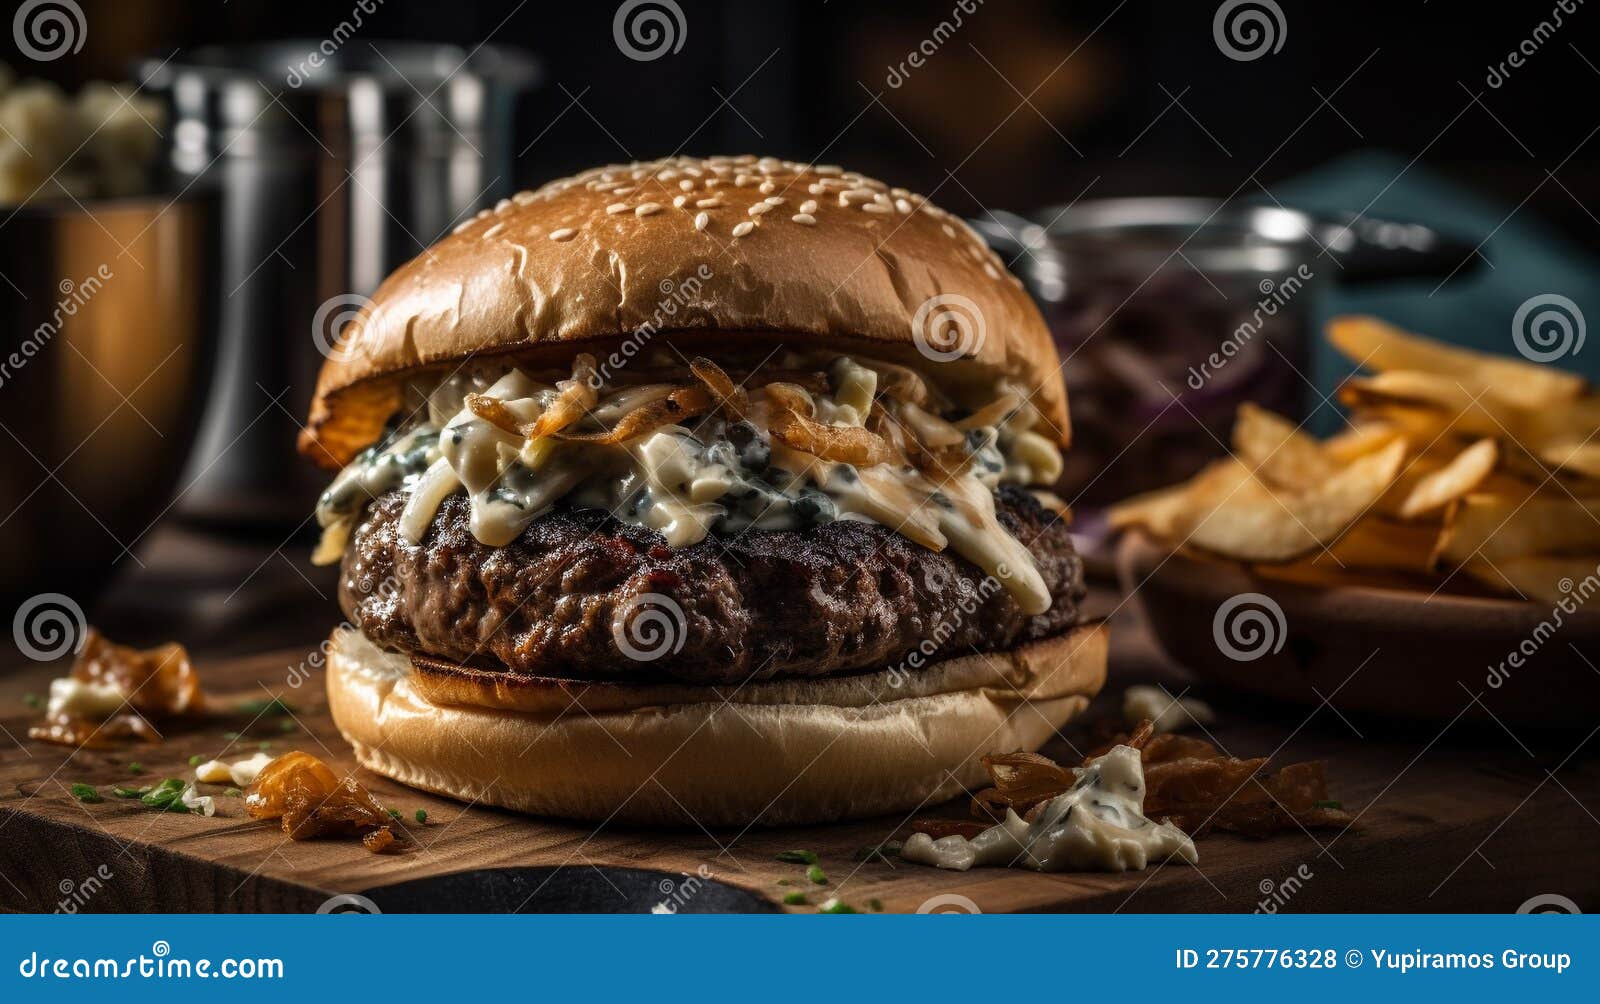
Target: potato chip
(1438, 488)
(1380, 346)
(1497, 528)
(1253, 522)
(1277, 450)
(1549, 579)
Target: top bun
(694, 249)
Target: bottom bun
(771, 752)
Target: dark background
(808, 80)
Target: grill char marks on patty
(839, 597)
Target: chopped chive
(196, 760)
(1330, 803)
(794, 899)
(166, 796)
(266, 706)
(264, 745)
(876, 904)
(817, 875)
(287, 725)
(834, 906)
(394, 813)
(232, 792)
(121, 792)
(881, 852)
(85, 792)
(784, 881)
(233, 737)
(798, 857)
(136, 768)
(422, 815)
(33, 700)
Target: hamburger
(700, 491)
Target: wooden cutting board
(1458, 817)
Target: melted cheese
(690, 483)
(1096, 825)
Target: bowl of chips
(1439, 556)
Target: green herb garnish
(266, 706)
(85, 792)
(232, 792)
(287, 725)
(882, 852)
(264, 745)
(1330, 803)
(233, 737)
(196, 760)
(166, 796)
(135, 768)
(121, 792)
(798, 857)
(422, 815)
(33, 700)
(394, 813)
(876, 905)
(834, 906)
(794, 899)
(817, 875)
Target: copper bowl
(111, 315)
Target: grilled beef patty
(582, 595)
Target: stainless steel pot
(334, 167)
(110, 316)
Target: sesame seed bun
(735, 248)
(769, 752)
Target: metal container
(110, 318)
(1169, 313)
(334, 169)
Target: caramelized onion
(731, 398)
(303, 792)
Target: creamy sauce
(71, 697)
(1165, 712)
(719, 477)
(1096, 825)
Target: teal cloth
(1473, 309)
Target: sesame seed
(808, 206)
(686, 185)
(767, 188)
(740, 180)
(464, 224)
(804, 218)
(647, 209)
(773, 201)
(857, 194)
(480, 214)
(522, 198)
(902, 205)
(991, 271)
(875, 207)
(616, 207)
(502, 205)
(711, 203)
(624, 190)
(679, 200)
(827, 169)
(949, 231)
(701, 219)
(816, 188)
(743, 228)
(758, 209)
(564, 234)
(493, 231)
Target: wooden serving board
(1460, 817)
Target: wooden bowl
(1389, 651)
